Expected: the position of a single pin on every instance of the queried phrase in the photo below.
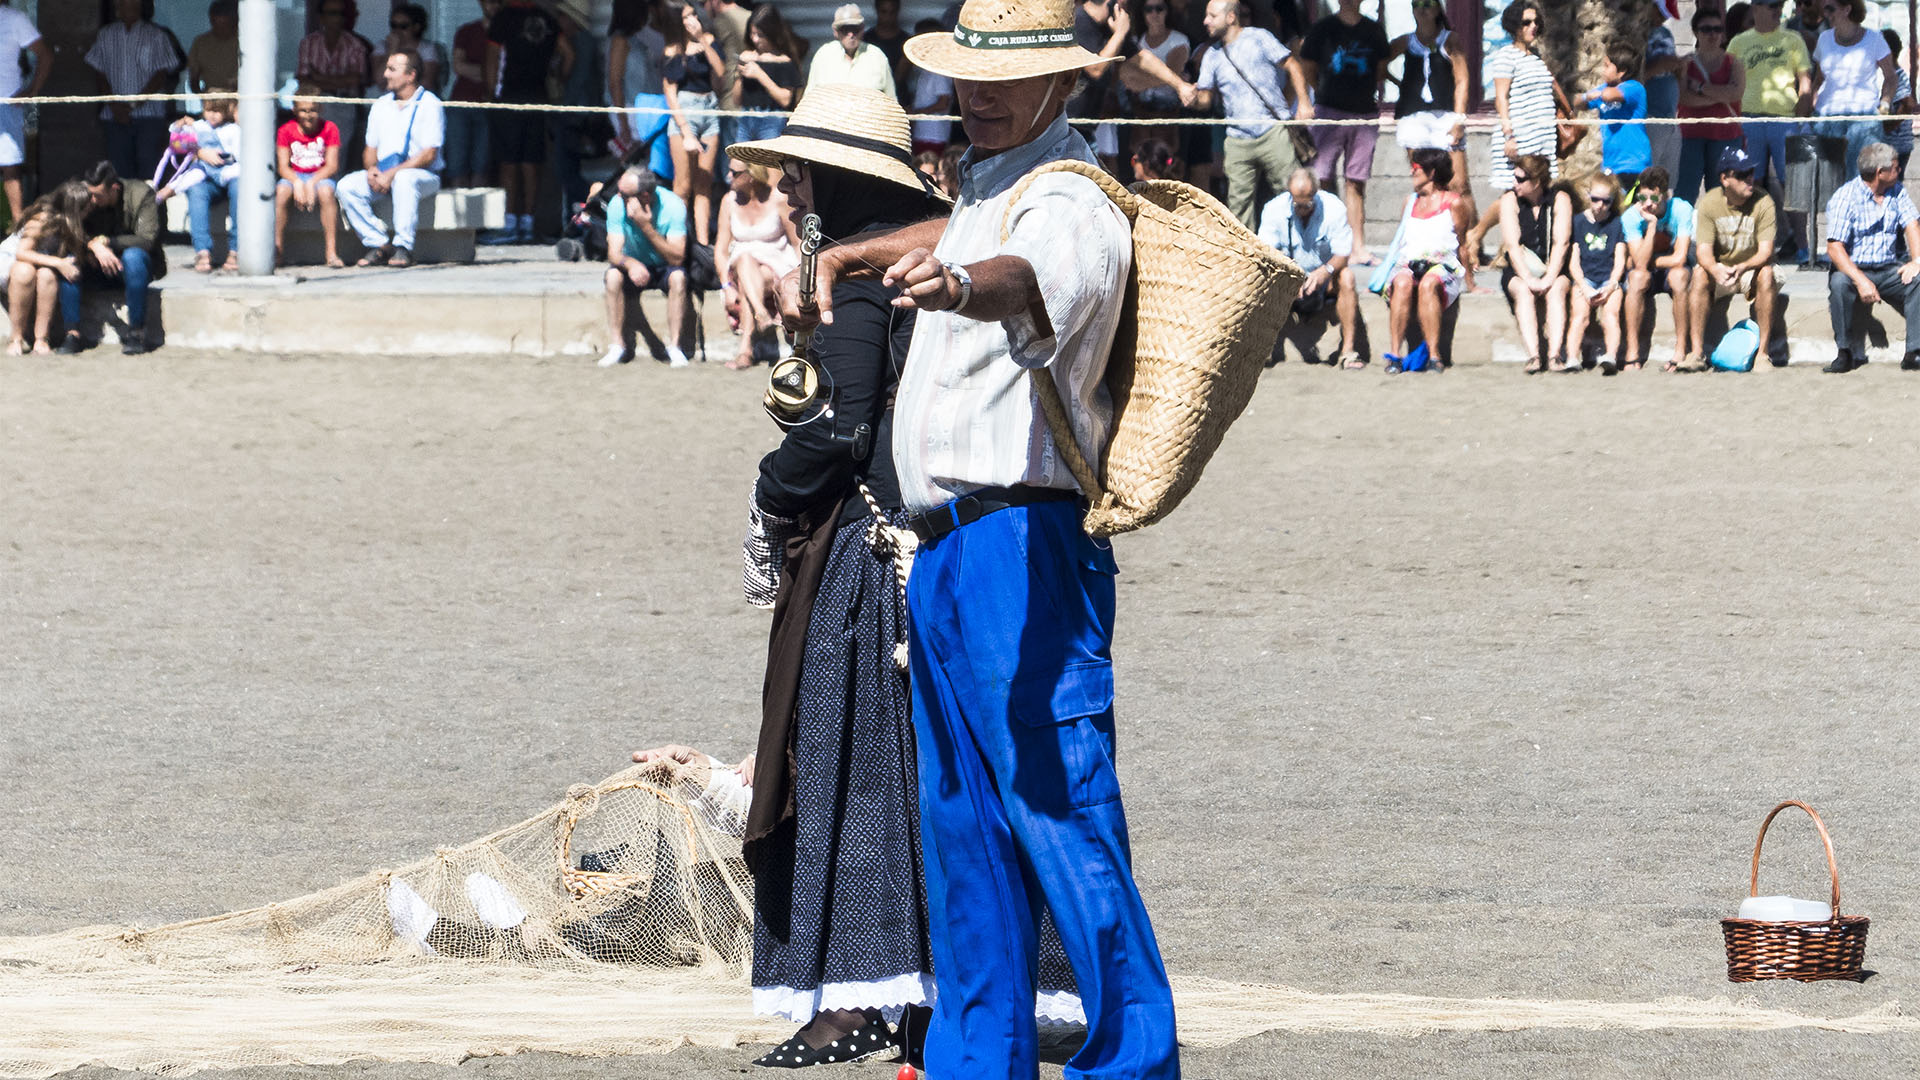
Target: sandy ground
(1471, 685)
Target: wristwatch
(966, 285)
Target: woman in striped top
(1523, 94)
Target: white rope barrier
(1477, 122)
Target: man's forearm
(1843, 262)
(870, 258)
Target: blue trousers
(1011, 618)
(134, 277)
(200, 211)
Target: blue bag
(1737, 350)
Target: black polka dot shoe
(874, 1038)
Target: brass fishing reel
(800, 391)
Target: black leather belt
(970, 508)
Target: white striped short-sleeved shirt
(966, 415)
(130, 58)
(1529, 107)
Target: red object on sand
(906, 1073)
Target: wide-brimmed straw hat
(849, 127)
(998, 40)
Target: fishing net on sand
(618, 921)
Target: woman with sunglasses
(1713, 82)
(1151, 98)
(1853, 75)
(1525, 95)
(1434, 84)
(407, 29)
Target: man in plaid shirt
(1865, 219)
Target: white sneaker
(412, 916)
(493, 903)
(616, 356)
(676, 358)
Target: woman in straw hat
(840, 938)
(1011, 604)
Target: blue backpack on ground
(1737, 350)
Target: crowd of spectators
(1303, 188)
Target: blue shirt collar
(984, 179)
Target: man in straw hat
(1010, 603)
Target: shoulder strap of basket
(1047, 392)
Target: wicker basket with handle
(1807, 951)
(1204, 305)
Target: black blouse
(784, 73)
(862, 352)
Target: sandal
(377, 257)
(335, 262)
(233, 261)
(1560, 366)
(400, 259)
(203, 262)
(1534, 365)
(874, 1038)
(1353, 361)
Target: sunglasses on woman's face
(1600, 200)
(401, 25)
(1529, 22)
(1710, 30)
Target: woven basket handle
(1051, 406)
(1833, 868)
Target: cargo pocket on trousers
(1065, 729)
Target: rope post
(259, 51)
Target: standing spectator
(308, 162)
(1524, 96)
(636, 56)
(218, 137)
(932, 95)
(1433, 262)
(1105, 29)
(522, 42)
(45, 247)
(18, 38)
(585, 84)
(1779, 84)
(758, 245)
(400, 165)
(131, 56)
(1601, 266)
(1431, 110)
(338, 61)
(770, 76)
(214, 57)
(1345, 59)
(646, 249)
(1660, 74)
(1866, 219)
(407, 29)
(1733, 231)
(692, 79)
(1715, 83)
(124, 254)
(1658, 228)
(1536, 231)
(1739, 20)
(848, 60)
(1624, 150)
(468, 161)
(1149, 97)
(1856, 78)
(1250, 71)
(1311, 227)
(728, 21)
(890, 38)
(1899, 131)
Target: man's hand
(642, 211)
(1120, 22)
(637, 273)
(1908, 271)
(1189, 95)
(924, 282)
(1304, 112)
(1868, 294)
(380, 180)
(104, 258)
(1315, 280)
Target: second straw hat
(998, 40)
(850, 127)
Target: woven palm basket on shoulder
(1807, 951)
(1204, 305)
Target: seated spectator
(308, 160)
(757, 247)
(1600, 245)
(848, 58)
(218, 149)
(124, 253)
(1866, 219)
(1431, 263)
(1155, 160)
(401, 165)
(1734, 230)
(1658, 229)
(41, 253)
(1625, 152)
(646, 249)
(1311, 227)
(1536, 232)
